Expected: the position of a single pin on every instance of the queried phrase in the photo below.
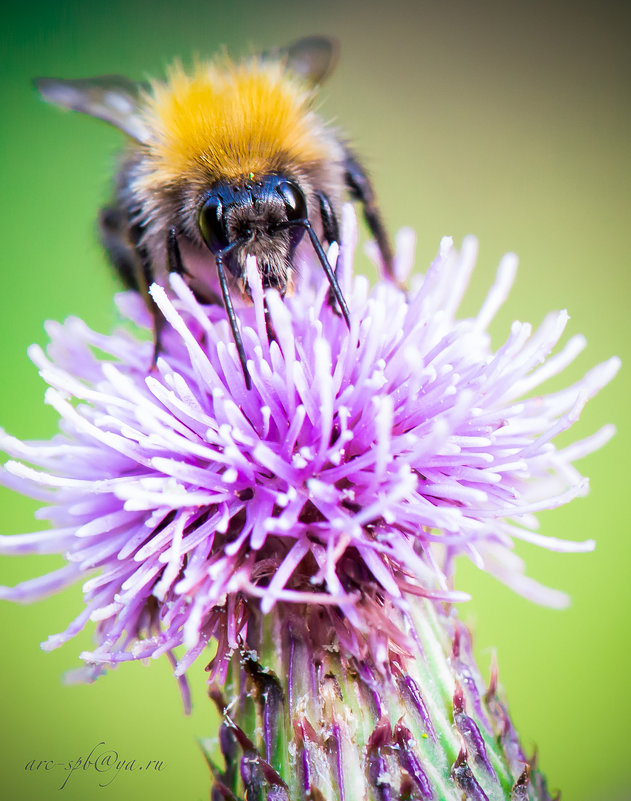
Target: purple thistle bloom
(357, 468)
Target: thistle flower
(336, 492)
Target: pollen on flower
(350, 476)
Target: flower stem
(304, 722)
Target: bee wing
(312, 58)
(112, 98)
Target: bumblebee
(226, 161)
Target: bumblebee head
(265, 218)
(214, 157)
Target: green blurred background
(509, 120)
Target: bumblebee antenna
(232, 317)
(330, 273)
(176, 265)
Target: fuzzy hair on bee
(226, 161)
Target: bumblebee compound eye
(211, 223)
(294, 200)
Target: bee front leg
(174, 265)
(330, 226)
(361, 188)
(174, 255)
(121, 238)
(331, 232)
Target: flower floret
(359, 465)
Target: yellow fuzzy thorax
(231, 120)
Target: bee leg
(361, 188)
(174, 256)
(158, 328)
(330, 273)
(144, 279)
(122, 247)
(330, 227)
(328, 270)
(174, 265)
(331, 232)
(269, 325)
(121, 239)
